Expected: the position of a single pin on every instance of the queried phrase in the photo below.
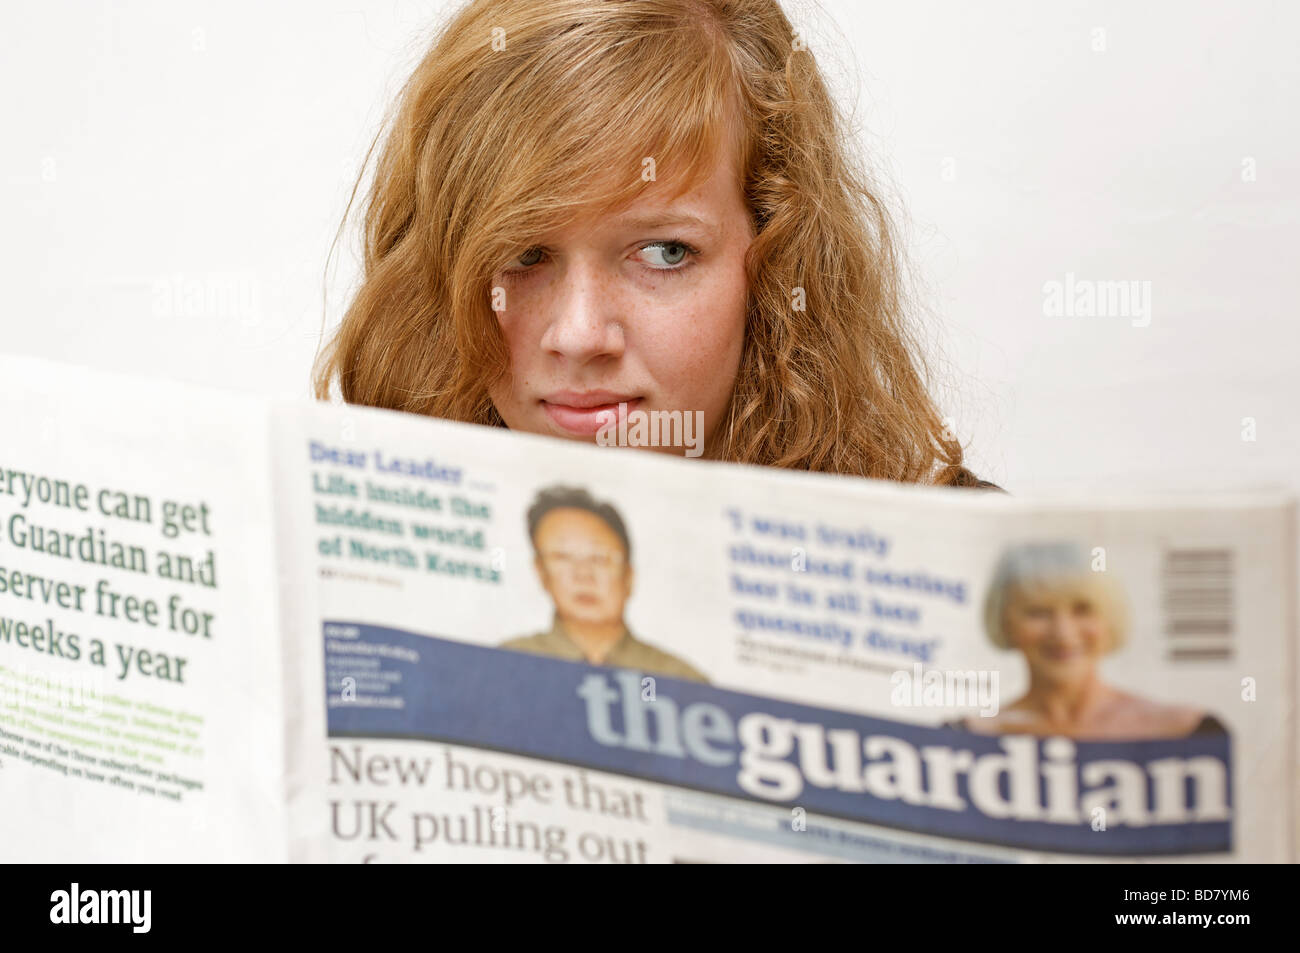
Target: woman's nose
(586, 321)
(1064, 627)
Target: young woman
(586, 208)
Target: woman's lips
(583, 418)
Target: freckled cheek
(505, 390)
(522, 335)
(694, 354)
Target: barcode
(1198, 603)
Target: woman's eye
(665, 256)
(673, 253)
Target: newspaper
(236, 629)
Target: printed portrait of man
(583, 557)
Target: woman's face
(645, 307)
(1062, 633)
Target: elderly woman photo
(1047, 603)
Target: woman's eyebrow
(667, 220)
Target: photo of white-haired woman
(1046, 602)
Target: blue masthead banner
(1050, 794)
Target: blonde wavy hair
(522, 116)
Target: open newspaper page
(506, 648)
(140, 714)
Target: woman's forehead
(703, 206)
(1054, 587)
(699, 214)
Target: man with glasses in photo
(584, 562)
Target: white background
(151, 149)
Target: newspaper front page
(236, 629)
(502, 648)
